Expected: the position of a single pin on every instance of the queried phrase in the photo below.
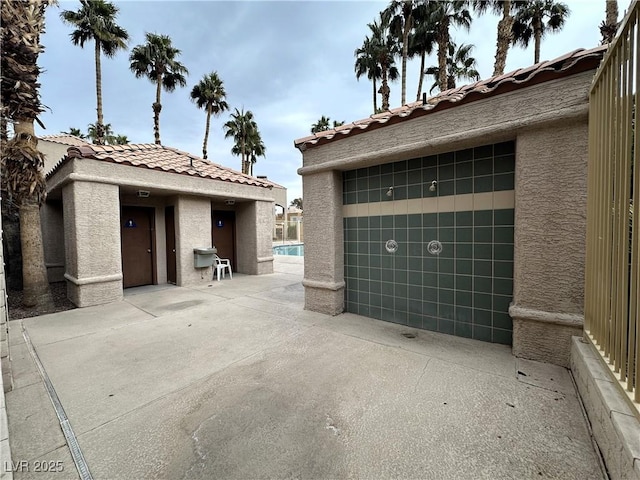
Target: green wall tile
(430, 323)
(482, 317)
(446, 311)
(464, 234)
(481, 333)
(502, 336)
(503, 286)
(482, 251)
(483, 151)
(501, 303)
(483, 234)
(446, 188)
(482, 284)
(505, 181)
(446, 234)
(503, 269)
(445, 326)
(503, 234)
(503, 251)
(483, 167)
(463, 298)
(464, 169)
(446, 265)
(446, 296)
(503, 217)
(482, 300)
(414, 321)
(464, 219)
(483, 184)
(464, 155)
(464, 267)
(464, 282)
(504, 148)
(502, 320)
(463, 329)
(504, 164)
(446, 280)
(445, 158)
(483, 218)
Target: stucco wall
(92, 243)
(549, 124)
(323, 260)
(254, 226)
(193, 230)
(550, 233)
(52, 222)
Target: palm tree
(76, 132)
(210, 95)
(530, 22)
(96, 21)
(459, 66)
(157, 60)
(324, 123)
(442, 16)
(609, 26)
(107, 132)
(505, 28)
(120, 140)
(244, 130)
(22, 164)
(385, 49)
(423, 39)
(400, 14)
(366, 64)
(255, 149)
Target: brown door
(223, 235)
(170, 227)
(137, 246)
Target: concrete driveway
(236, 380)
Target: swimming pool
(295, 250)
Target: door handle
(174, 250)
(148, 250)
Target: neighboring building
(294, 214)
(127, 215)
(463, 215)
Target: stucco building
(463, 214)
(127, 215)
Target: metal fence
(612, 292)
(288, 232)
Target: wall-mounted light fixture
(432, 188)
(143, 193)
(230, 202)
(390, 192)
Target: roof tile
(483, 88)
(159, 157)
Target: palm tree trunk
(206, 133)
(244, 161)
(609, 27)
(405, 54)
(421, 77)
(537, 36)
(375, 96)
(100, 121)
(385, 90)
(505, 37)
(157, 106)
(35, 285)
(443, 46)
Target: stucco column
(51, 219)
(550, 230)
(92, 243)
(324, 245)
(193, 230)
(254, 242)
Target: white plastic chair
(220, 264)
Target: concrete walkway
(236, 380)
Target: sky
(289, 62)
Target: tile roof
(159, 157)
(64, 139)
(571, 63)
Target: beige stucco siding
(193, 230)
(92, 242)
(52, 223)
